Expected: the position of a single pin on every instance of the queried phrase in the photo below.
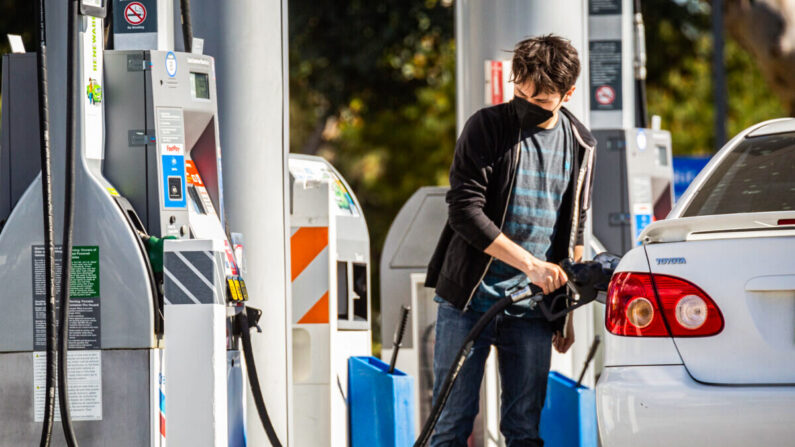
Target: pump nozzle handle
(591, 354)
(398, 340)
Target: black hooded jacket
(481, 180)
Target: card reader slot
(197, 201)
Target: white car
(700, 319)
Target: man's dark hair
(550, 61)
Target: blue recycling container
(380, 405)
(569, 415)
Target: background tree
(766, 29)
(17, 17)
(372, 89)
(679, 47)
(372, 84)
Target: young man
(519, 189)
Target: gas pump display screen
(200, 85)
(662, 155)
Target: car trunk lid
(746, 266)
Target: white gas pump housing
(330, 270)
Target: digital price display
(200, 85)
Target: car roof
(773, 127)
(770, 127)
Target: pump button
(183, 230)
(174, 187)
(172, 220)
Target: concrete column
(248, 39)
(489, 30)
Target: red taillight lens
(690, 312)
(627, 299)
(633, 309)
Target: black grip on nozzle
(398, 340)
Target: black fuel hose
(49, 247)
(68, 224)
(585, 278)
(244, 328)
(187, 25)
(463, 353)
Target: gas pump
(115, 341)
(157, 302)
(330, 256)
(633, 184)
(163, 155)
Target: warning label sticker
(139, 16)
(84, 302)
(605, 70)
(135, 13)
(193, 174)
(85, 386)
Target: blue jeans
(523, 348)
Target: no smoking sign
(605, 95)
(135, 13)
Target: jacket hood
(584, 133)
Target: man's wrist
(529, 262)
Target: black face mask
(529, 114)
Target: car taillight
(634, 310)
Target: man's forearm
(514, 255)
(510, 253)
(549, 277)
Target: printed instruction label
(170, 125)
(605, 71)
(84, 303)
(604, 7)
(85, 386)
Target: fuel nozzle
(590, 277)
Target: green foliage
(680, 89)
(372, 89)
(18, 17)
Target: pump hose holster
(244, 321)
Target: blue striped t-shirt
(533, 214)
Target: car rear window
(758, 175)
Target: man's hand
(550, 277)
(562, 343)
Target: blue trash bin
(569, 415)
(380, 405)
